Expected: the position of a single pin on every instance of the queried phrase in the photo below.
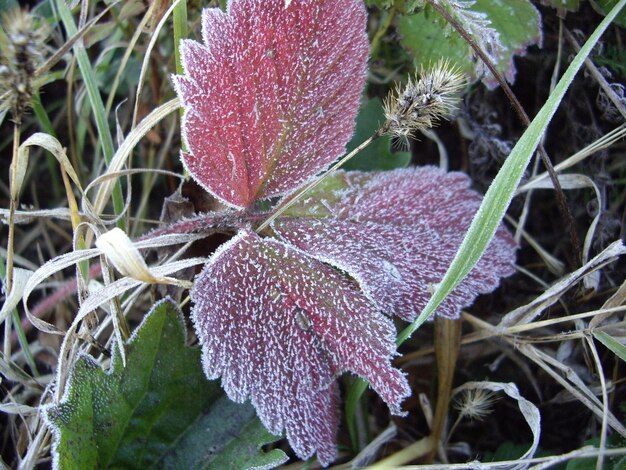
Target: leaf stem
(447, 344)
(291, 201)
(382, 30)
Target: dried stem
(11, 241)
(382, 30)
(447, 343)
(599, 77)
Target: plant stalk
(447, 343)
(382, 30)
(11, 239)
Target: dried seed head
(422, 102)
(21, 51)
(475, 404)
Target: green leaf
(603, 6)
(614, 345)
(429, 38)
(403, 5)
(377, 155)
(158, 412)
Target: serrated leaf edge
(45, 409)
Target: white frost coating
(255, 90)
(278, 327)
(13, 298)
(396, 234)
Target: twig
(382, 30)
(599, 77)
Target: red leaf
(279, 327)
(396, 233)
(270, 98)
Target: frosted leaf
(279, 326)
(271, 96)
(397, 232)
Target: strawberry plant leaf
(271, 96)
(502, 29)
(377, 155)
(396, 233)
(279, 327)
(145, 415)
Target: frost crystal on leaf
(271, 96)
(397, 232)
(279, 326)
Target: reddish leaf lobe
(397, 232)
(270, 98)
(279, 327)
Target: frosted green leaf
(503, 29)
(612, 343)
(158, 412)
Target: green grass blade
(180, 32)
(503, 187)
(95, 99)
(494, 205)
(614, 345)
(48, 128)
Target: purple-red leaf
(396, 233)
(279, 326)
(271, 96)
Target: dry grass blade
(144, 65)
(124, 151)
(574, 181)
(529, 411)
(52, 145)
(573, 384)
(20, 278)
(122, 285)
(527, 313)
(126, 258)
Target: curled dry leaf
(119, 249)
(279, 327)
(271, 96)
(397, 232)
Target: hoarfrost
(247, 110)
(279, 326)
(397, 232)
